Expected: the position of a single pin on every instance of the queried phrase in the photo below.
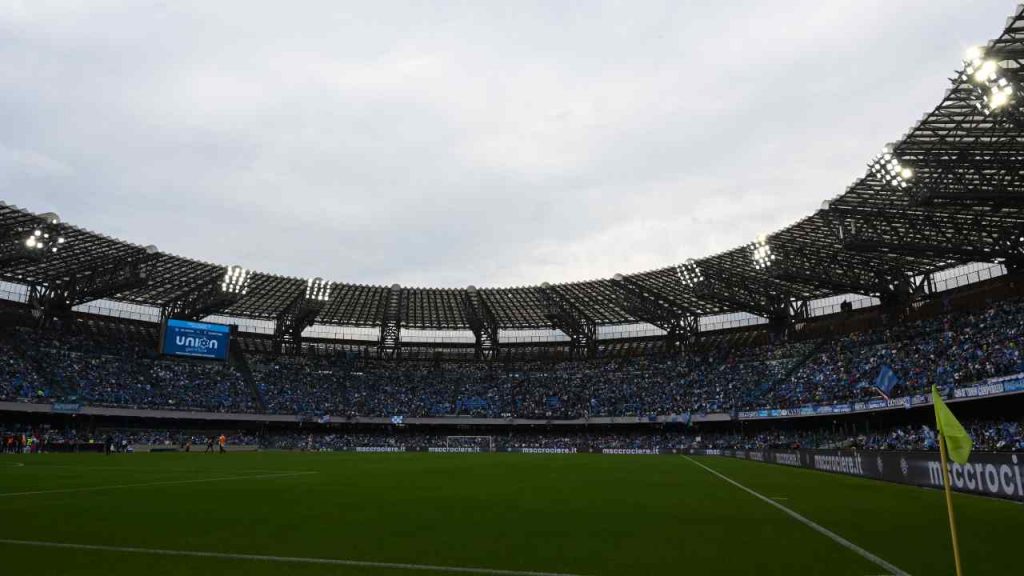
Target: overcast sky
(446, 144)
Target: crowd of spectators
(111, 371)
(988, 435)
(21, 438)
(18, 377)
(948, 350)
(1001, 435)
(707, 382)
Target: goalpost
(484, 443)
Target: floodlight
(998, 98)
(236, 280)
(985, 73)
(47, 237)
(761, 253)
(994, 91)
(690, 273)
(890, 170)
(317, 289)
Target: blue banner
(886, 380)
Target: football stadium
(842, 395)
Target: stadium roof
(948, 192)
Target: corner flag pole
(949, 504)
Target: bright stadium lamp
(318, 289)
(47, 238)
(236, 280)
(994, 91)
(890, 170)
(761, 253)
(690, 273)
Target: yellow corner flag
(954, 440)
(958, 442)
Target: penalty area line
(283, 559)
(890, 568)
(160, 483)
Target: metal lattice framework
(949, 192)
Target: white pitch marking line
(809, 523)
(161, 483)
(285, 559)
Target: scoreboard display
(195, 339)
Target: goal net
(483, 443)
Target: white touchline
(285, 559)
(809, 523)
(161, 483)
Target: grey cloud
(446, 144)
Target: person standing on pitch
(221, 441)
(209, 444)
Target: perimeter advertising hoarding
(997, 474)
(195, 339)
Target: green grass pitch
(567, 514)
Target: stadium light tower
(236, 280)
(317, 289)
(689, 273)
(761, 253)
(890, 170)
(46, 238)
(35, 241)
(995, 92)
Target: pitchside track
(503, 514)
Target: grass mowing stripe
(809, 523)
(285, 559)
(161, 483)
